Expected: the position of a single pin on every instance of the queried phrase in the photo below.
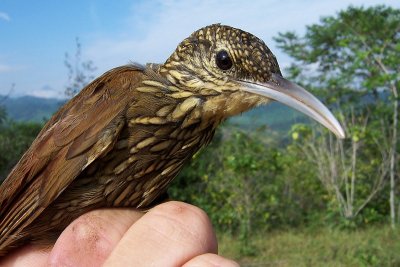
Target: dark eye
(223, 60)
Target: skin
(170, 234)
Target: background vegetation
(280, 190)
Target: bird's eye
(223, 60)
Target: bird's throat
(229, 104)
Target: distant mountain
(275, 116)
(30, 108)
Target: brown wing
(81, 131)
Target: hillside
(30, 108)
(276, 116)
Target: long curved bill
(298, 98)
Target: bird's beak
(296, 97)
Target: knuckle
(84, 229)
(82, 239)
(183, 212)
(188, 223)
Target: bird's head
(238, 67)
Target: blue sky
(35, 35)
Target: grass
(372, 246)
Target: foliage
(344, 54)
(352, 61)
(3, 115)
(244, 184)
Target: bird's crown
(219, 53)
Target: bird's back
(80, 132)
(124, 158)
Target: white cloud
(5, 68)
(10, 68)
(4, 16)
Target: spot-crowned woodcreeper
(126, 135)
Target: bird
(126, 135)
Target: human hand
(170, 234)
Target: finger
(210, 260)
(27, 256)
(168, 235)
(90, 239)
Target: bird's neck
(216, 102)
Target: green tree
(3, 115)
(352, 60)
(247, 184)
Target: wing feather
(84, 129)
